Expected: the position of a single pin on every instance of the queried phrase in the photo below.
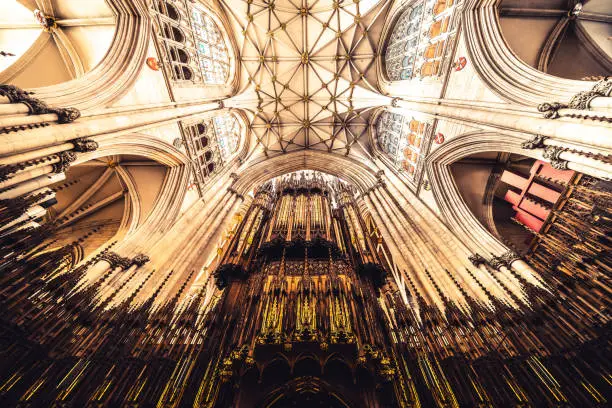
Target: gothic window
(193, 45)
(401, 138)
(418, 40)
(212, 52)
(227, 131)
(212, 143)
(401, 51)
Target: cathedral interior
(305, 203)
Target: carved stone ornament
(560, 164)
(476, 260)
(395, 102)
(497, 262)
(65, 158)
(553, 152)
(580, 101)
(509, 257)
(66, 115)
(536, 142)
(36, 106)
(46, 22)
(231, 190)
(603, 87)
(551, 110)
(116, 261)
(140, 260)
(84, 145)
(14, 94)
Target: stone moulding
(117, 71)
(500, 69)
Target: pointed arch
(112, 77)
(454, 210)
(501, 69)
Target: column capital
(536, 142)
(509, 257)
(36, 106)
(497, 262)
(140, 259)
(65, 158)
(115, 260)
(83, 145)
(477, 260)
(553, 154)
(231, 190)
(580, 101)
(603, 87)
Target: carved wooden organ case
(299, 317)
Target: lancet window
(212, 51)
(192, 44)
(419, 40)
(212, 143)
(402, 138)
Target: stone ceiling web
(309, 70)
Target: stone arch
(166, 207)
(499, 67)
(346, 168)
(454, 210)
(564, 39)
(114, 75)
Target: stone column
(412, 264)
(32, 185)
(126, 120)
(511, 121)
(565, 156)
(498, 265)
(195, 245)
(393, 247)
(441, 253)
(19, 110)
(482, 273)
(115, 262)
(518, 265)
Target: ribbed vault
(309, 72)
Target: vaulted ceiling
(308, 70)
(64, 37)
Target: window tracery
(404, 140)
(419, 40)
(212, 143)
(193, 44)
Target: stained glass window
(401, 52)
(192, 43)
(212, 52)
(227, 131)
(417, 42)
(212, 143)
(401, 138)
